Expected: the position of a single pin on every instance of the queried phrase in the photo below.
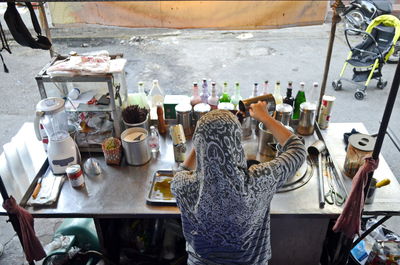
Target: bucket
(135, 142)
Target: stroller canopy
(387, 21)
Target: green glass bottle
(300, 98)
(225, 94)
(236, 96)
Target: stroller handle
(365, 33)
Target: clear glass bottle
(195, 99)
(254, 93)
(277, 93)
(154, 140)
(225, 94)
(204, 93)
(144, 103)
(213, 98)
(156, 95)
(266, 88)
(289, 99)
(300, 98)
(236, 96)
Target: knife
(37, 188)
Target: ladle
(315, 151)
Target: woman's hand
(259, 111)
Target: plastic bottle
(204, 93)
(266, 88)
(225, 94)
(255, 91)
(277, 93)
(313, 95)
(289, 98)
(213, 99)
(300, 98)
(195, 99)
(236, 96)
(154, 140)
(156, 94)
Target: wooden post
(45, 25)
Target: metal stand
(344, 244)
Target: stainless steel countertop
(120, 191)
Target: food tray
(160, 189)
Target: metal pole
(369, 230)
(385, 121)
(335, 19)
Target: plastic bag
(385, 253)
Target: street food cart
(122, 192)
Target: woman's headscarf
(213, 196)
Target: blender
(62, 150)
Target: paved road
(178, 57)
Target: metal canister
(135, 142)
(75, 176)
(244, 104)
(325, 111)
(264, 141)
(199, 110)
(307, 118)
(226, 106)
(179, 142)
(184, 117)
(360, 146)
(283, 113)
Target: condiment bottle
(213, 99)
(162, 128)
(195, 99)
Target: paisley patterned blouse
(225, 206)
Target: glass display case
(93, 102)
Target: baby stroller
(371, 54)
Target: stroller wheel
(337, 85)
(381, 85)
(359, 95)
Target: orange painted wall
(191, 14)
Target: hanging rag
(349, 220)
(4, 46)
(32, 247)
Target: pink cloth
(349, 220)
(32, 247)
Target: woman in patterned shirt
(225, 206)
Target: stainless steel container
(283, 113)
(199, 110)
(244, 104)
(246, 127)
(145, 124)
(265, 140)
(135, 142)
(184, 117)
(179, 142)
(360, 146)
(307, 118)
